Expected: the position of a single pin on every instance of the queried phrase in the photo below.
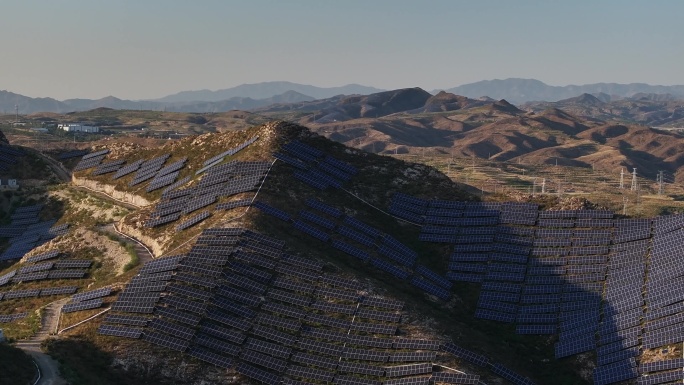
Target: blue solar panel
(314, 232)
(272, 211)
(429, 288)
(351, 250)
(324, 208)
(620, 371)
(341, 165)
(577, 345)
(396, 255)
(357, 224)
(390, 268)
(494, 315)
(355, 236)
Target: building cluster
(78, 127)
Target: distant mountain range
(290, 96)
(266, 90)
(29, 105)
(519, 91)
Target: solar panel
(337, 294)
(364, 355)
(36, 276)
(119, 331)
(302, 262)
(43, 256)
(510, 375)
(412, 356)
(467, 355)
(429, 288)
(314, 360)
(355, 236)
(330, 307)
(374, 342)
(257, 374)
(58, 290)
(238, 295)
(319, 347)
(6, 318)
(449, 378)
(79, 306)
(166, 340)
(21, 294)
(297, 272)
(73, 264)
(328, 321)
(186, 304)
(284, 310)
(378, 315)
(177, 315)
(264, 360)
(360, 368)
(620, 371)
(145, 286)
(274, 335)
(126, 319)
(311, 230)
(280, 322)
(271, 211)
(233, 307)
(210, 357)
(132, 307)
(269, 348)
(97, 293)
(408, 370)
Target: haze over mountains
(519, 91)
(267, 90)
(255, 96)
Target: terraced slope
(312, 262)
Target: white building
(78, 127)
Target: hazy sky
(138, 49)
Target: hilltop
(364, 198)
(280, 255)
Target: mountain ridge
(265, 90)
(518, 90)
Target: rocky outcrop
(111, 191)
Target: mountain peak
(505, 106)
(584, 99)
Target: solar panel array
(578, 273)
(314, 167)
(26, 231)
(106, 168)
(225, 180)
(327, 224)
(220, 157)
(148, 169)
(238, 299)
(7, 318)
(91, 160)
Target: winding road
(144, 253)
(49, 368)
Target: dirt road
(49, 368)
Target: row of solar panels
(384, 245)
(160, 336)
